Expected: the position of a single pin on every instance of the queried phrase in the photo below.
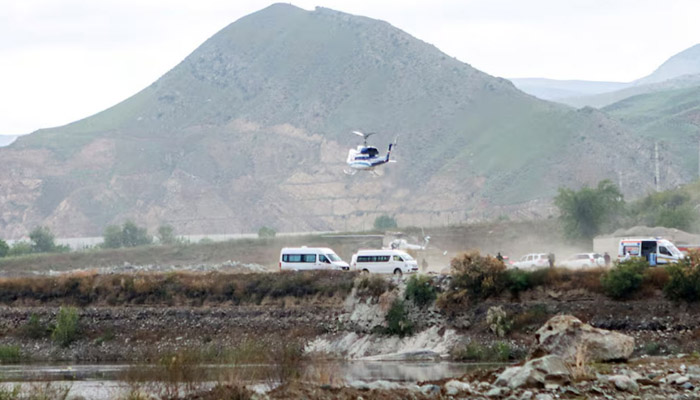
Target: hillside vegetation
(253, 127)
(670, 117)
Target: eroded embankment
(142, 317)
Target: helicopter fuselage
(366, 158)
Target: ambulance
(662, 250)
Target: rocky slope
(253, 128)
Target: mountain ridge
(252, 129)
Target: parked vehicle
(583, 260)
(308, 258)
(386, 261)
(660, 250)
(532, 261)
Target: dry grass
(581, 369)
(188, 289)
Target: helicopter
(366, 158)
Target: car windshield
(406, 257)
(674, 250)
(333, 257)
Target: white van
(308, 258)
(384, 262)
(665, 251)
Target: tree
(4, 248)
(166, 234)
(112, 237)
(384, 222)
(671, 209)
(587, 211)
(20, 249)
(266, 232)
(42, 240)
(129, 235)
(133, 236)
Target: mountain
(605, 99)
(6, 140)
(680, 71)
(687, 62)
(253, 127)
(669, 117)
(554, 89)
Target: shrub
(683, 282)
(10, 354)
(373, 285)
(66, 329)
(420, 290)
(133, 235)
(498, 321)
(384, 222)
(518, 281)
(112, 237)
(20, 249)
(34, 329)
(496, 352)
(4, 248)
(397, 320)
(474, 278)
(166, 234)
(624, 279)
(266, 232)
(42, 240)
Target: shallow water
(106, 381)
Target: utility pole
(619, 180)
(656, 165)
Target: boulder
(624, 383)
(454, 387)
(536, 373)
(566, 335)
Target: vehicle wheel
(398, 272)
(365, 272)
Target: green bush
(34, 329)
(20, 249)
(133, 235)
(624, 279)
(66, 329)
(42, 240)
(266, 232)
(4, 248)
(684, 282)
(112, 237)
(373, 285)
(166, 234)
(420, 290)
(474, 277)
(496, 352)
(384, 222)
(10, 354)
(397, 320)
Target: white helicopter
(366, 158)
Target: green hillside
(671, 117)
(253, 128)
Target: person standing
(606, 257)
(550, 258)
(499, 257)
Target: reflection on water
(103, 381)
(400, 371)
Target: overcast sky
(62, 60)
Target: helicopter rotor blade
(358, 133)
